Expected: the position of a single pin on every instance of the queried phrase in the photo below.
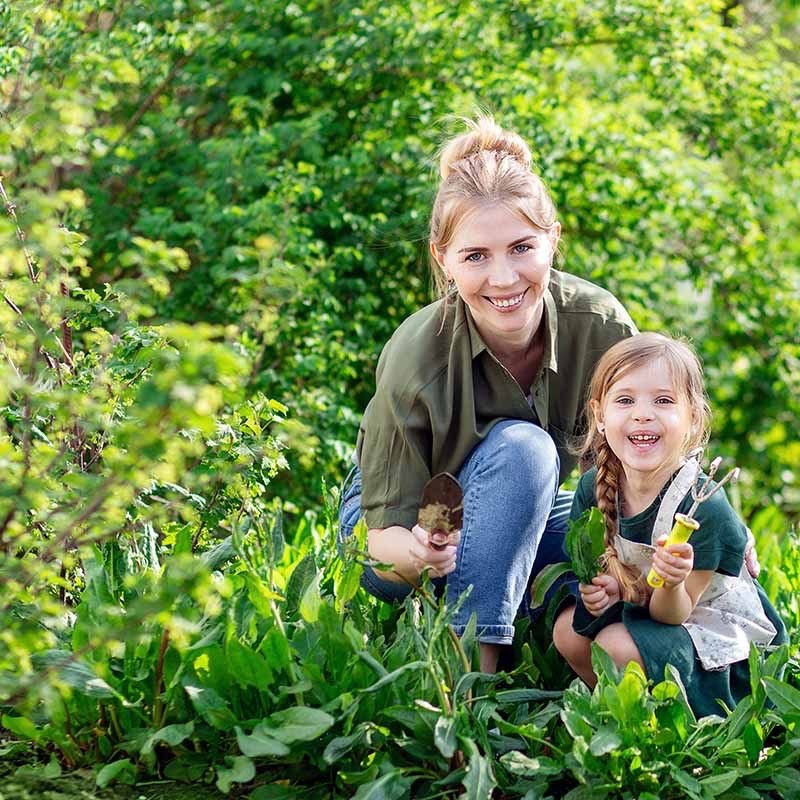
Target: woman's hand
(751, 556)
(423, 556)
(673, 565)
(600, 594)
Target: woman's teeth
(509, 303)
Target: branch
(153, 96)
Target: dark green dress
(718, 545)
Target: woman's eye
(522, 248)
(474, 258)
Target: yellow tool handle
(683, 528)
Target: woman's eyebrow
(512, 244)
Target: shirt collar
(550, 320)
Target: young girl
(647, 413)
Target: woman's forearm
(392, 546)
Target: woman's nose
(503, 273)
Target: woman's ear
(554, 235)
(437, 255)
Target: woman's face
(501, 267)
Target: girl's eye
(665, 400)
(623, 400)
(522, 248)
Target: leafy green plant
(585, 544)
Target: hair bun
(484, 135)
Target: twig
(11, 210)
(154, 95)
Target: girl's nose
(642, 412)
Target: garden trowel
(441, 510)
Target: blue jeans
(515, 519)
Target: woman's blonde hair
(687, 375)
(486, 164)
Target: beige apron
(728, 615)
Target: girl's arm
(683, 585)
(672, 605)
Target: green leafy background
(225, 210)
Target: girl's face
(501, 267)
(647, 421)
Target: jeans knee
(527, 448)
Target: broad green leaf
(514, 696)
(688, 783)
(519, 764)
(391, 786)
(21, 726)
(545, 579)
(276, 650)
(122, 771)
(753, 737)
(260, 743)
(585, 543)
(605, 741)
(299, 724)
(347, 583)
(603, 665)
(171, 735)
(340, 746)
(247, 667)
(52, 769)
(242, 770)
(211, 706)
(444, 736)
(785, 697)
(311, 601)
(302, 575)
(715, 785)
(479, 781)
(74, 673)
(274, 791)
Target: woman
(487, 383)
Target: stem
(158, 704)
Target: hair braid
(629, 578)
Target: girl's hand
(673, 565)
(438, 562)
(600, 594)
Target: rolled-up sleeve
(394, 455)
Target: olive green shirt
(440, 390)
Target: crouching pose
(647, 414)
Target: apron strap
(677, 490)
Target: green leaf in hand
(585, 543)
